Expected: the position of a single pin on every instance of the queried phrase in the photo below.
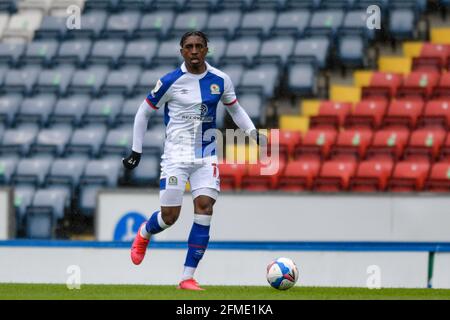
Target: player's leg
(205, 190)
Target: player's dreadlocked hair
(194, 33)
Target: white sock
(188, 273)
(144, 233)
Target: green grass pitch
(139, 292)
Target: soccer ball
(282, 273)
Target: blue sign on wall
(128, 225)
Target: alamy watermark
(374, 277)
(74, 279)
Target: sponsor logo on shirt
(156, 88)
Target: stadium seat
(242, 51)
(255, 179)
(9, 106)
(352, 50)
(66, 172)
(168, 53)
(418, 85)
(262, 80)
(139, 52)
(148, 172)
(93, 22)
(87, 140)
(302, 79)
(425, 144)
(106, 52)
(276, 50)
(331, 114)
(8, 164)
(254, 106)
(432, 58)
(148, 79)
(242, 5)
(356, 21)
(122, 25)
(21, 80)
(388, 144)
(11, 52)
(403, 113)
(299, 175)
(121, 81)
(351, 144)
(189, 20)
(372, 175)
(70, 109)
(325, 21)
(234, 72)
(439, 179)
(175, 5)
(40, 52)
(335, 176)
(129, 109)
(73, 51)
(118, 140)
(231, 176)
(311, 49)
(88, 80)
(275, 5)
(53, 200)
(23, 196)
(54, 80)
(316, 144)
(408, 176)
(155, 24)
(52, 27)
(36, 109)
(223, 23)
(291, 22)
(107, 5)
(402, 22)
(257, 23)
(436, 114)
(209, 5)
(52, 140)
(287, 141)
(216, 50)
(442, 89)
(104, 109)
(18, 140)
(382, 86)
(367, 114)
(32, 171)
(22, 25)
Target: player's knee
(203, 205)
(170, 215)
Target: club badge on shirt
(215, 89)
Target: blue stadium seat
(312, 49)
(32, 171)
(402, 23)
(129, 109)
(155, 24)
(169, 53)
(302, 79)
(257, 23)
(122, 24)
(18, 140)
(334, 4)
(87, 140)
(93, 22)
(292, 22)
(242, 50)
(234, 71)
(295, 4)
(217, 47)
(209, 5)
(148, 79)
(253, 105)
(121, 81)
(276, 50)
(175, 5)
(276, 5)
(242, 5)
(355, 21)
(107, 52)
(52, 140)
(74, 51)
(70, 109)
(9, 106)
(223, 23)
(52, 27)
(66, 172)
(325, 22)
(88, 80)
(8, 5)
(108, 5)
(262, 80)
(40, 52)
(154, 138)
(148, 171)
(8, 164)
(118, 141)
(11, 52)
(352, 50)
(23, 196)
(54, 80)
(21, 80)
(104, 109)
(54, 200)
(36, 109)
(189, 20)
(139, 52)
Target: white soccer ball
(282, 273)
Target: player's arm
(139, 128)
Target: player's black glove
(260, 138)
(132, 161)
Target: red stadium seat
(299, 175)
(439, 179)
(288, 140)
(433, 57)
(335, 175)
(256, 180)
(424, 144)
(403, 113)
(231, 176)
(409, 176)
(367, 114)
(316, 144)
(331, 114)
(372, 175)
(436, 114)
(418, 85)
(445, 150)
(351, 144)
(383, 85)
(442, 89)
(388, 144)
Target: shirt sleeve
(229, 96)
(159, 95)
